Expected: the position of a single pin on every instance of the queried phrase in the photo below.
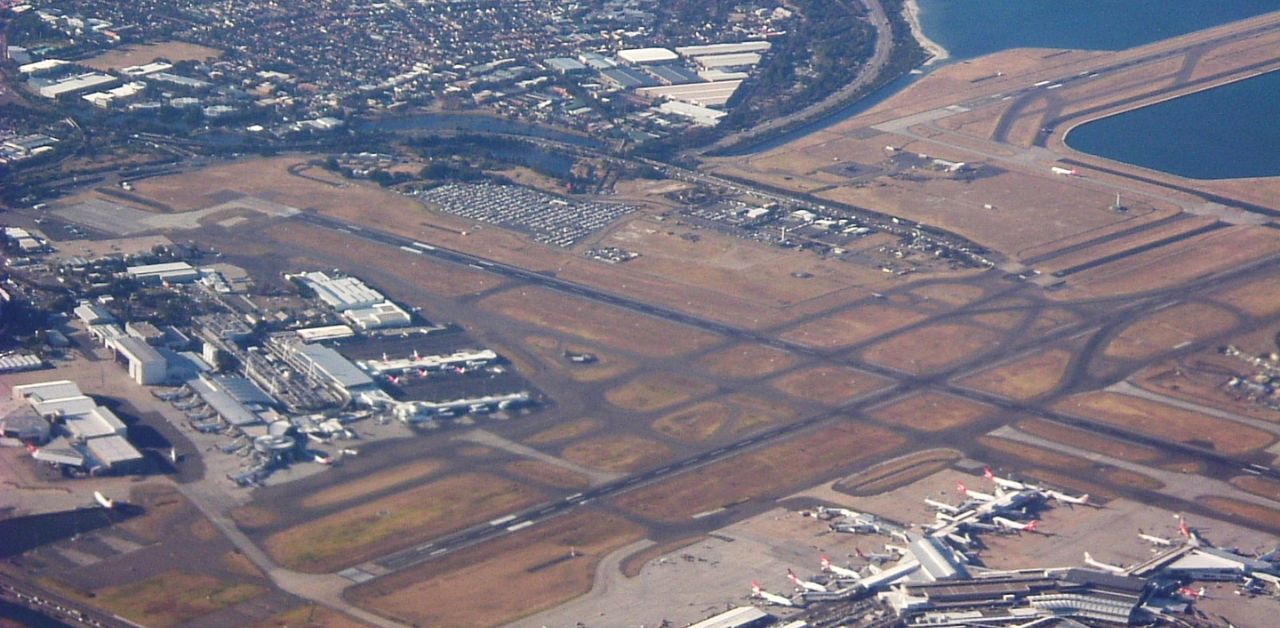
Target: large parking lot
(551, 220)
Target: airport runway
(1111, 313)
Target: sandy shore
(936, 52)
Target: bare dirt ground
(539, 568)
(140, 54)
(828, 385)
(1167, 421)
(1023, 378)
(758, 472)
(931, 412)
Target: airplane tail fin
(986, 473)
(961, 487)
(1084, 499)
(1031, 527)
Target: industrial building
(147, 367)
(647, 56)
(171, 272)
(704, 94)
(699, 115)
(73, 84)
(339, 371)
(724, 49)
(88, 436)
(738, 60)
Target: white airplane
(1186, 531)
(941, 506)
(804, 584)
(873, 557)
(771, 598)
(1010, 524)
(1159, 541)
(842, 572)
(103, 500)
(1002, 482)
(972, 494)
(323, 459)
(1082, 500)
(1116, 569)
(1063, 171)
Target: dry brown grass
(828, 385)
(1169, 328)
(563, 431)
(747, 361)
(1257, 297)
(761, 472)
(373, 528)
(1024, 378)
(1168, 422)
(173, 597)
(695, 423)
(898, 472)
(953, 294)
(617, 453)
(547, 473)
(1262, 487)
(1086, 440)
(657, 390)
(598, 323)
(852, 326)
(1177, 263)
(932, 348)
(931, 412)
(1036, 455)
(407, 269)
(503, 580)
(552, 351)
(308, 616)
(376, 482)
(140, 54)
(1268, 518)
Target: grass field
(598, 323)
(552, 351)
(173, 597)
(1263, 487)
(1024, 378)
(657, 390)
(140, 54)
(746, 361)
(1170, 328)
(1085, 440)
(1036, 455)
(376, 482)
(899, 472)
(761, 472)
(852, 326)
(501, 581)
(1168, 422)
(617, 453)
(547, 473)
(1257, 297)
(828, 385)
(1261, 515)
(932, 348)
(931, 412)
(563, 431)
(370, 529)
(696, 423)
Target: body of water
(1227, 132)
(971, 28)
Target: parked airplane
(771, 598)
(1187, 532)
(873, 557)
(941, 506)
(1002, 482)
(1010, 524)
(103, 500)
(841, 572)
(1155, 540)
(1068, 499)
(854, 528)
(804, 584)
(1116, 569)
(972, 494)
(1066, 172)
